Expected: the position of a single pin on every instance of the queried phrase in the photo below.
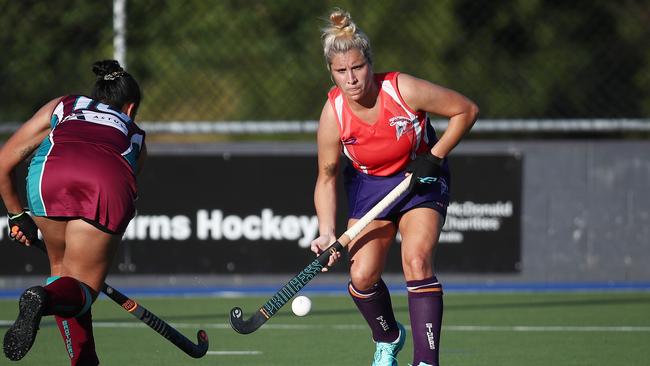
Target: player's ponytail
(114, 86)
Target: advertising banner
(255, 214)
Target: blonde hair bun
(341, 35)
(341, 21)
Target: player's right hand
(321, 243)
(22, 228)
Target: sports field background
(500, 329)
(563, 85)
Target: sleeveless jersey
(86, 166)
(385, 147)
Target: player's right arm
(329, 150)
(18, 148)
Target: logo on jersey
(402, 125)
(350, 141)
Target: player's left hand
(425, 169)
(22, 228)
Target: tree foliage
(262, 60)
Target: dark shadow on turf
(285, 312)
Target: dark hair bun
(105, 67)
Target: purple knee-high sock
(425, 310)
(376, 307)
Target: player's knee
(363, 280)
(417, 267)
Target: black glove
(425, 169)
(24, 223)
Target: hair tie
(113, 75)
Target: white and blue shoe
(386, 353)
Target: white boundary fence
(486, 126)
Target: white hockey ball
(301, 305)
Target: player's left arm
(422, 95)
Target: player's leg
(53, 231)
(82, 268)
(32, 305)
(369, 292)
(74, 286)
(78, 341)
(66, 297)
(72, 329)
(420, 230)
(88, 255)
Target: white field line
(453, 328)
(234, 353)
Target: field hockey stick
(299, 281)
(163, 328)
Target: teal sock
(51, 279)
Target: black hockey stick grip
(160, 326)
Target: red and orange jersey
(386, 146)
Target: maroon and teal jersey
(385, 146)
(86, 166)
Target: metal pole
(119, 31)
